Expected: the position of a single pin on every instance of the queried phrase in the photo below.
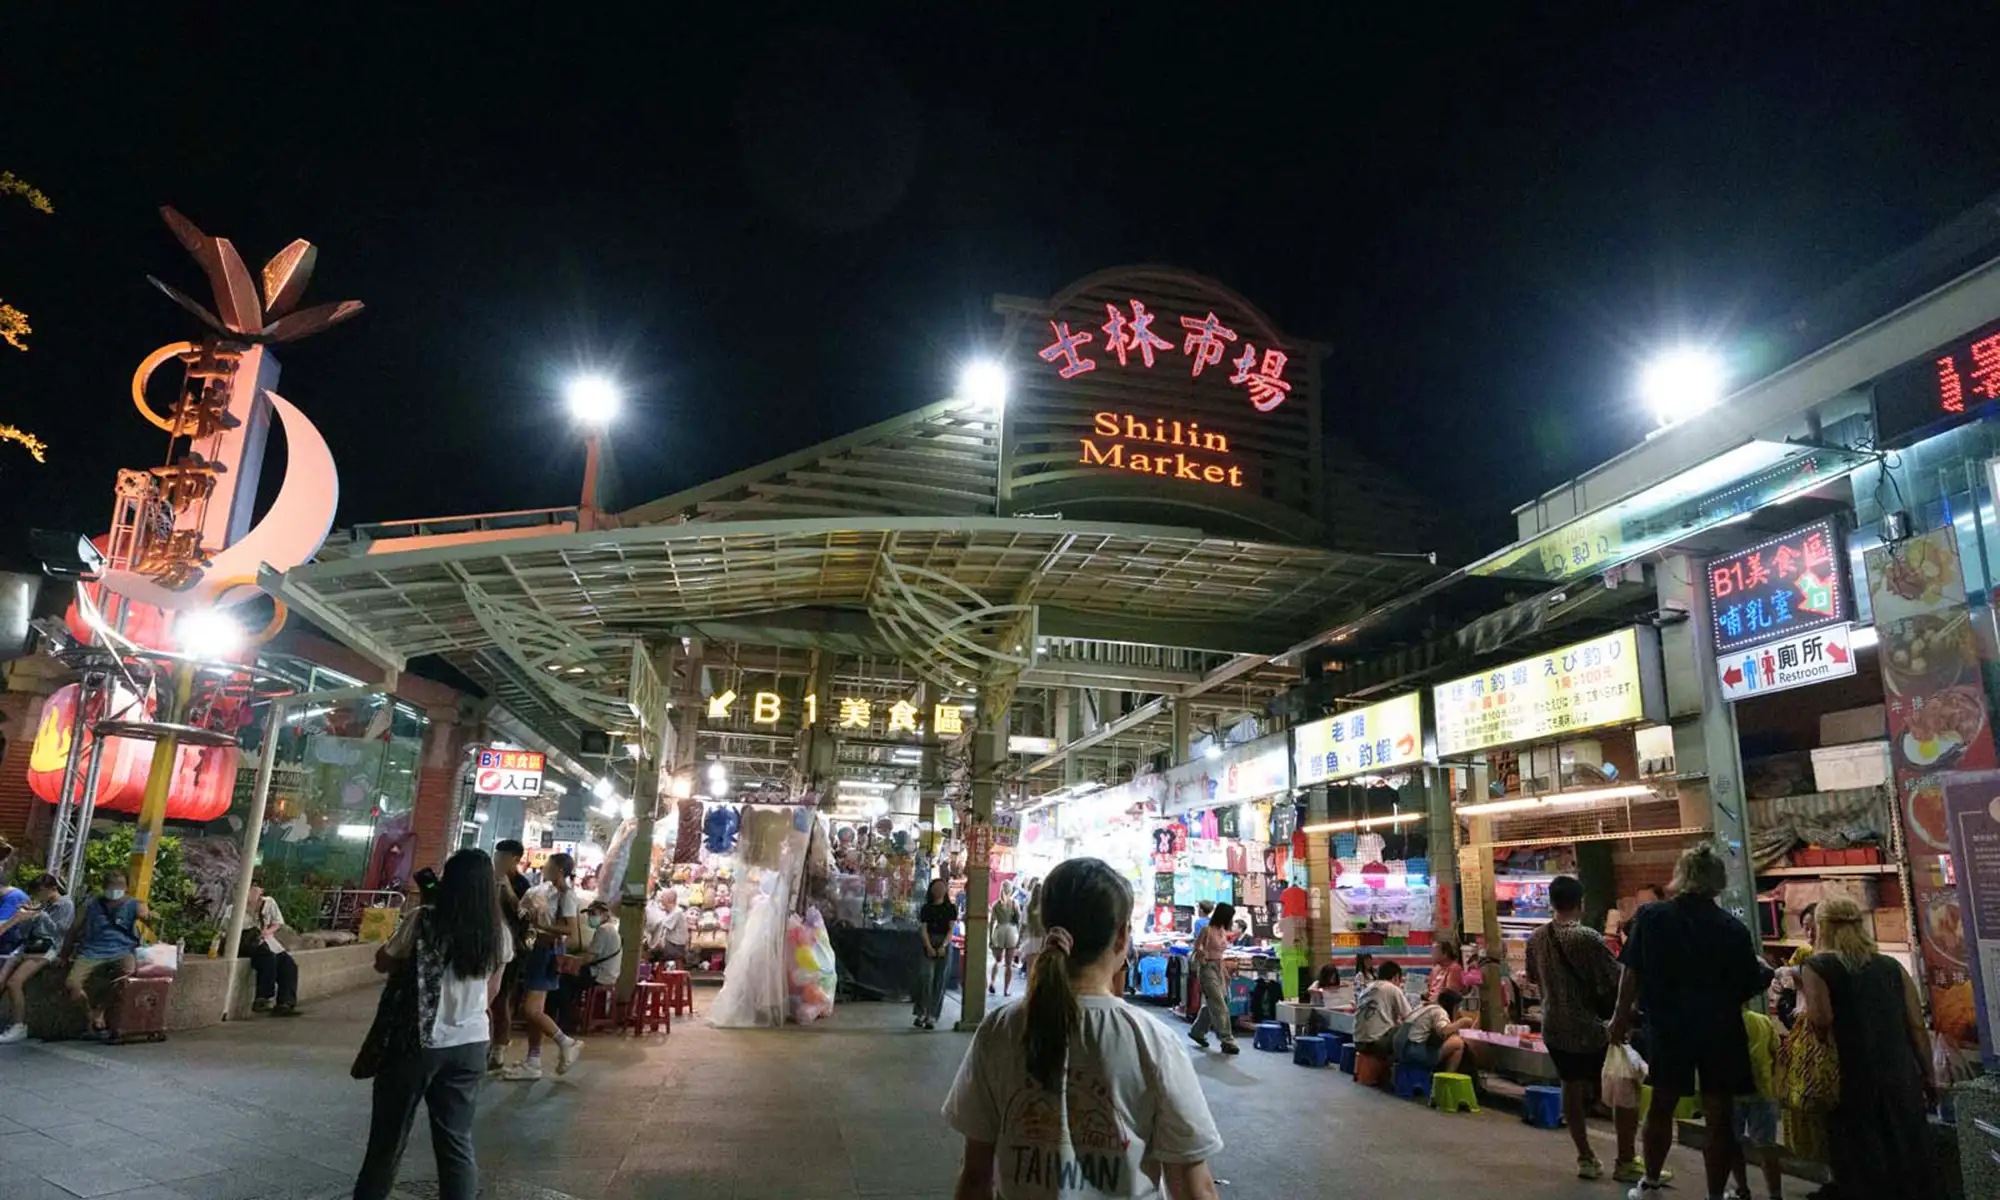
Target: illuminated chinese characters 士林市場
(1261, 375)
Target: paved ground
(847, 1109)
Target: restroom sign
(508, 773)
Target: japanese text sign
(1380, 737)
(1128, 337)
(1803, 658)
(1779, 587)
(508, 773)
(1609, 680)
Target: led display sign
(1779, 588)
(1951, 384)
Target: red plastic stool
(680, 991)
(1371, 1070)
(600, 1009)
(650, 1013)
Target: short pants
(1422, 1054)
(94, 976)
(1006, 937)
(1577, 1066)
(1721, 1060)
(1756, 1121)
(540, 975)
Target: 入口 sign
(508, 773)
(1811, 657)
(1380, 737)
(1610, 680)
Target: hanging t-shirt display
(1163, 887)
(1238, 892)
(1163, 841)
(1236, 858)
(1227, 819)
(1185, 888)
(1180, 832)
(1284, 820)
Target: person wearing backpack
(1578, 980)
(104, 946)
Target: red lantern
(204, 779)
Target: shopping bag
(1618, 1084)
(157, 959)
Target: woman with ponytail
(1072, 1091)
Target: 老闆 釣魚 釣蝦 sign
(1609, 680)
(1379, 737)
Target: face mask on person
(114, 893)
(594, 922)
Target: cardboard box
(1842, 768)
(1854, 725)
(1891, 924)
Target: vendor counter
(881, 962)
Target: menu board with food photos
(1972, 805)
(1939, 723)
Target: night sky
(777, 229)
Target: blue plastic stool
(1312, 1050)
(1543, 1107)
(1336, 1039)
(1347, 1052)
(1412, 1081)
(1273, 1035)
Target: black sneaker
(286, 1010)
(1199, 1041)
(1230, 1048)
(260, 1005)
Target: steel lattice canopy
(1122, 583)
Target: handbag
(569, 964)
(393, 1033)
(1808, 1075)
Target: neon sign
(1778, 588)
(1121, 428)
(1261, 375)
(853, 712)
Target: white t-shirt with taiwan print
(1132, 1104)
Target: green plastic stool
(1688, 1109)
(1453, 1093)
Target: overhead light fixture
(983, 383)
(869, 784)
(356, 833)
(1213, 751)
(1681, 383)
(1554, 799)
(208, 633)
(634, 750)
(593, 399)
(1363, 823)
(603, 787)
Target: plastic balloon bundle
(812, 976)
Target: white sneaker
(16, 1032)
(566, 1056)
(521, 1073)
(1646, 1190)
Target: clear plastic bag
(1624, 1071)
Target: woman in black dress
(1878, 1133)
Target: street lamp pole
(593, 401)
(586, 509)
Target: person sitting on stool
(277, 972)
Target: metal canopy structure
(903, 558)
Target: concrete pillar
(1705, 736)
(1442, 829)
(435, 813)
(989, 753)
(1483, 917)
(1319, 878)
(1183, 729)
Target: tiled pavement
(845, 1110)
